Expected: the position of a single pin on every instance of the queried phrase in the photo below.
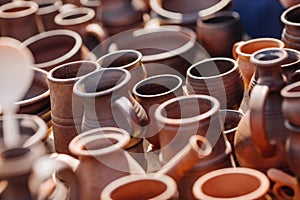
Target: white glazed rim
(167, 194)
(150, 79)
(235, 67)
(55, 4)
(283, 16)
(32, 7)
(58, 32)
(259, 192)
(88, 15)
(163, 119)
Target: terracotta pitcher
(261, 134)
(162, 184)
(66, 108)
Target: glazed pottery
(107, 101)
(185, 13)
(260, 138)
(232, 183)
(81, 20)
(66, 108)
(48, 9)
(128, 59)
(120, 15)
(18, 19)
(181, 117)
(243, 50)
(222, 26)
(162, 184)
(150, 93)
(56, 47)
(165, 49)
(218, 77)
(16, 163)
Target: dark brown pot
(261, 134)
(290, 19)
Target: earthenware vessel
(261, 135)
(18, 19)
(243, 50)
(223, 26)
(66, 108)
(291, 21)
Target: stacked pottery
(291, 32)
(261, 135)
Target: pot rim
(268, 63)
(89, 14)
(182, 121)
(55, 33)
(287, 92)
(286, 12)
(259, 192)
(150, 79)
(235, 18)
(234, 68)
(55, 4)
(171, 188)
(31, 6)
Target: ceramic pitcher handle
(136, 113)
(234, 54)
(258, 99)
(282, 180)
(97, 31)
(42, 172)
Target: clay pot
(181, 117)
(162, 184)
(107, 102)
(130, 60)
(16, 163)
(222, 26)
(165, 50)
(66, 122)
(93, 4)
(217, 77)
(291, 21)
(120, 15)
(150, 93)
(243, 50)
(185, 13)
(18, 19)
(56, 47)
(261, 134)
(233, 184)
(47, 11)
(81, 20)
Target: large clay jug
(261, 134)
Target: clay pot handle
(257, 103)
(234, 54)
(97, 31)
(42, 172)
(281, 180)
(137, 115)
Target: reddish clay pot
(18, 19)
(261, 134)
(291, 21)
(217, 77)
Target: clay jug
(66, 108)
(260, 138)
(232, 184)
(162, 184)
(217, 77)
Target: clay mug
(243, 50)
(222, 26)
(150, 93)
(165, 49)
(81, 20)
(218, 77)
(261, 135)
(128, 59)
(181, 117)
(108, 102)
(66, 122)
(16, 163)
(18, 19)
(232, 183)
(163, 183)
(47, 10)
(56, 47)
